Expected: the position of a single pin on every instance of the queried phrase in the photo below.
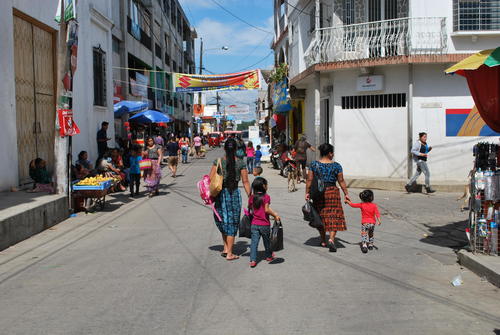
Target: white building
(373, 75)
(28, 89)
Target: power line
(239, 18)
(260, 61)
(251, 52)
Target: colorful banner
(69, 11)
(139, 86)
(281, 99)
(67, 126)
(198, 110)
(248, 80)
(467, 122)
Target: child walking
(135, 171)
(369, 217)
(258, 203)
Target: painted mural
(466, 122)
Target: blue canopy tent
(128, 106)
(151, 116)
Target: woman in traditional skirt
(328, 205)
(152, 176)
(228, 202)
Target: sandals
(223, 254)
(232, 258)
(331, 246)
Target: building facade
(151, 40)
(370, 75)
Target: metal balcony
(380, 39)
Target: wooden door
(25, 98)
(35, 101)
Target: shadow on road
(451, 235)
(316, 242)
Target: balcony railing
(400, 37)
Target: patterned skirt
(152, 176)
(228, 205)
(330, 209)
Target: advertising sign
(67, 126)
(370, 83)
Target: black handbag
(277, 236)
(246, 225)
(317, 189)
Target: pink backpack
(204, 188)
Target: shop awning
(128, 106)
(151, 116)
(482, 72)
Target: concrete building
(369, 75)
(152, 35)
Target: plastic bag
(277, 236)
(312, 216)
(306, 211)
(246, 225)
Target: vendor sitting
(40, 176)
(108, 169)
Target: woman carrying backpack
(328, 204)
(228, 201)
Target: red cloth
(369, 211)
(484, 85)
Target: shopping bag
(145, 164)
(277, 236)
(316, 221)
(306, 211)
(217, 180)
(246, 225)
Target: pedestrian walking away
(250, 151)
(197, 145)
(301, 147)
(258, 156)
(228, 201)
(259, 205)
(370, 216)
(102, 140)
(420, 152)
(135, 171)
(184, 145)
(173, 151)
(152, 176)
(328, 204)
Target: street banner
(248, 80)
(139, 86)
(237, 109)
(69, 11)
(67, 126)
(281, 99)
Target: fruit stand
(93, 190)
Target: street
(153, 267)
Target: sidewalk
(24, 214)
(483, 265)
(396, 184)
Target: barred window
(99, 58)
(374, 101)
(473, 15)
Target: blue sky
(247, 45)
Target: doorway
(34, 48)
(325, 116)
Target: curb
(483, 266)
(399, 185)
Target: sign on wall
(370, 83)
(467, 122)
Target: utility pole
(201, 71)
(153, 53)
(218, 98)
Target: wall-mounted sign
(370, 83)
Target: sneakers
(430, 189)
(364, 249)
(370, 246)
(270, 259)
(407, 188)
(253, 264)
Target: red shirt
(260, 218)
(369, 211)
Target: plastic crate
(102, 186)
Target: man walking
(102, 139)
(173, 151)
(301, 147)
(420, 152)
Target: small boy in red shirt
(369, 217)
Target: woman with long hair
(152, 176)
(329, 204)
(228, 201)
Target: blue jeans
(250, 164)
(184, 152)
(257, 232)
(421, 167)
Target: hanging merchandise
(67, 126)
(482, 231)
(249, 80)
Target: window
(166, 7)
(473, 15)
(374, 101)
(312, 19)
(348, 14)
(99, 77)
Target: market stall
(93, 191)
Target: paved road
(153, 267)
